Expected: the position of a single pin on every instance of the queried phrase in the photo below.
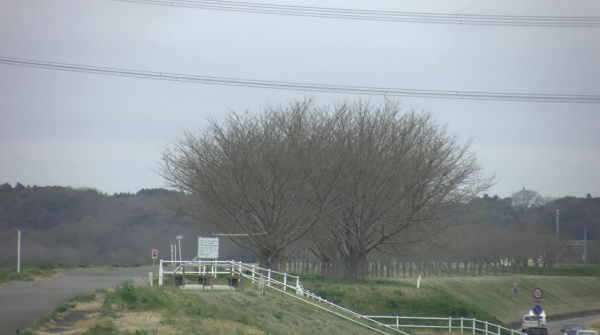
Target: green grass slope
(562, 294)
(389, 297)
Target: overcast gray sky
(89, 130)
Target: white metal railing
(464, 324)
(272, 280)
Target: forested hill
(76, 226)
(575, 214)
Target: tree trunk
(355, 267)
(404, 270)
(465, 269)
(269, 262)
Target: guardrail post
(461, 324)
(498, 327)
(473, 326)
(269, 279)
(284, 281)
(298, 286)
(253, 273)
(486, 328)
(449, 324)
(397, 322)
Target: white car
(532, 320)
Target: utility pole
(557, 214)
(19, 252)
(584, 245)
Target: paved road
(21, 304)
(556, 326)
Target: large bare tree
(267, 176)
(400, 171)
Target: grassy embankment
(379, 296)
(28, 273)
(142, 310)
(562, 294)
(571, 288)
(40, 271)
(168, 310)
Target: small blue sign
(515, 290)
(537, 310)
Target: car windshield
(538, 331)
(529, 318)
(588, 333)
(573, 327)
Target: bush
(127, 295)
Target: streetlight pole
(557, 236)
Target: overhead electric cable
(395, 92)
(379, 15)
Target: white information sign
(208, 247)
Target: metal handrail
(449, 326)
(338, 314)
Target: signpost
(208, 247)
(179, 238)
(537, 309)
(154, 256)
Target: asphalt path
(22, 304)
(556, 326)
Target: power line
(282, 85)
(379, 15)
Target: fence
(464, 324)
(285, 283)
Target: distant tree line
(84, 226)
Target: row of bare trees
(340, 180)
(467, 249)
